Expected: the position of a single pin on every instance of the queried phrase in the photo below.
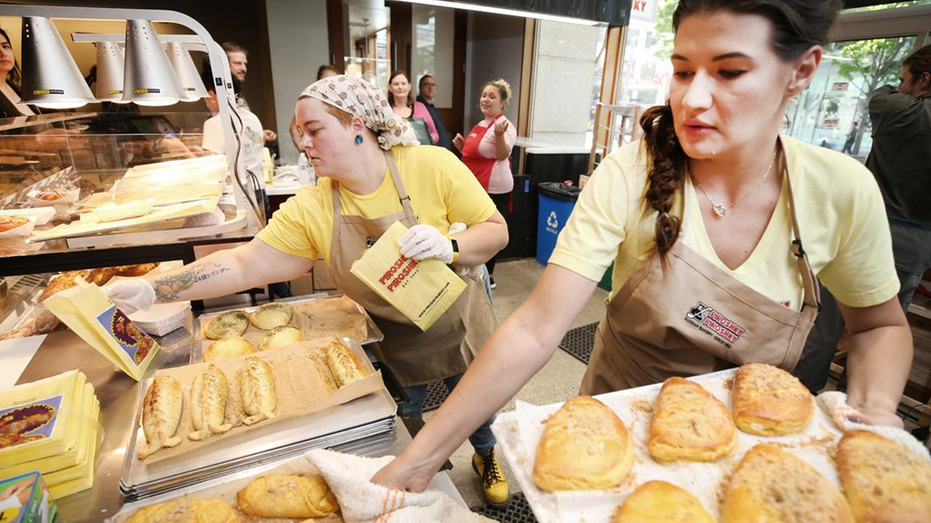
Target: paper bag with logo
(92, 316)
(422, 291)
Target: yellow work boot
(494, 486)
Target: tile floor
(557, 381)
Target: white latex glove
(130, 294)
(424, 241)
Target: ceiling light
(191, 85)
(504, 11)
(51, 79)
(109, 72)
(148, 77)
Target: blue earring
(358, 139)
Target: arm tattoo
(170, 287)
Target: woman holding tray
(718, 228)
(370, 176)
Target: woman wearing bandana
(371, 175)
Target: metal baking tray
(359, 418)
(226, 486)
(201, 342)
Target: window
(833, 110)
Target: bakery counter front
(208, 416)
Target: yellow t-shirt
(841, 218)
(441, 188)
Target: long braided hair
(797, 26)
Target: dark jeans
(503, 203)
(482, 439)
(911, 248)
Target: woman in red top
(487, 150)
(403, 104)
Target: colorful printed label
(29, 422)
(135, 343)
(714, 324)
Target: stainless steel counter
(64, 350)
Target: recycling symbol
(552, 221)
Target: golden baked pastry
(690, 424)
(344, 365)
(885, 482)
(65, 280)
(232, 322)
(228, 347)
(10, 222)
(774, 486)
(186, 510)
(769, 401)
(161, 414)
(287, 496)
(661, 502)
(257, 389)
(272, 315)
(51, 195)
(584, 446)
(281, 336)
(100, 277)
(209, 394)
(318, 356)
(140, 269)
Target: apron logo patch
(714, 324)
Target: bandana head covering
(359, 98)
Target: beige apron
(695, 318)
(416, 357)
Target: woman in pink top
(403, 104)
(487, 150)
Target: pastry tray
(227, 486)
(362, 417)
(518, 433)
(300, 304)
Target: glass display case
(79, 190)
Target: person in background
(324, 71)
(251, 144)
(704, 219)
(487, 154)
(900, 160)
(239, 66)
(426, 89)
(251, 136)
(11, 103)
(851, 139)
(403, 104)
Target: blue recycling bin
(556, 203)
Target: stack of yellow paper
(50, 426)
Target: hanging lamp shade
(109, 72)
(191, 85)
(148, 78)
(51, 79)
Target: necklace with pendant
(719, 208)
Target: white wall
(298, 44)
(564, 80)
(494, 50)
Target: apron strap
(809, 279)
(398, 186)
